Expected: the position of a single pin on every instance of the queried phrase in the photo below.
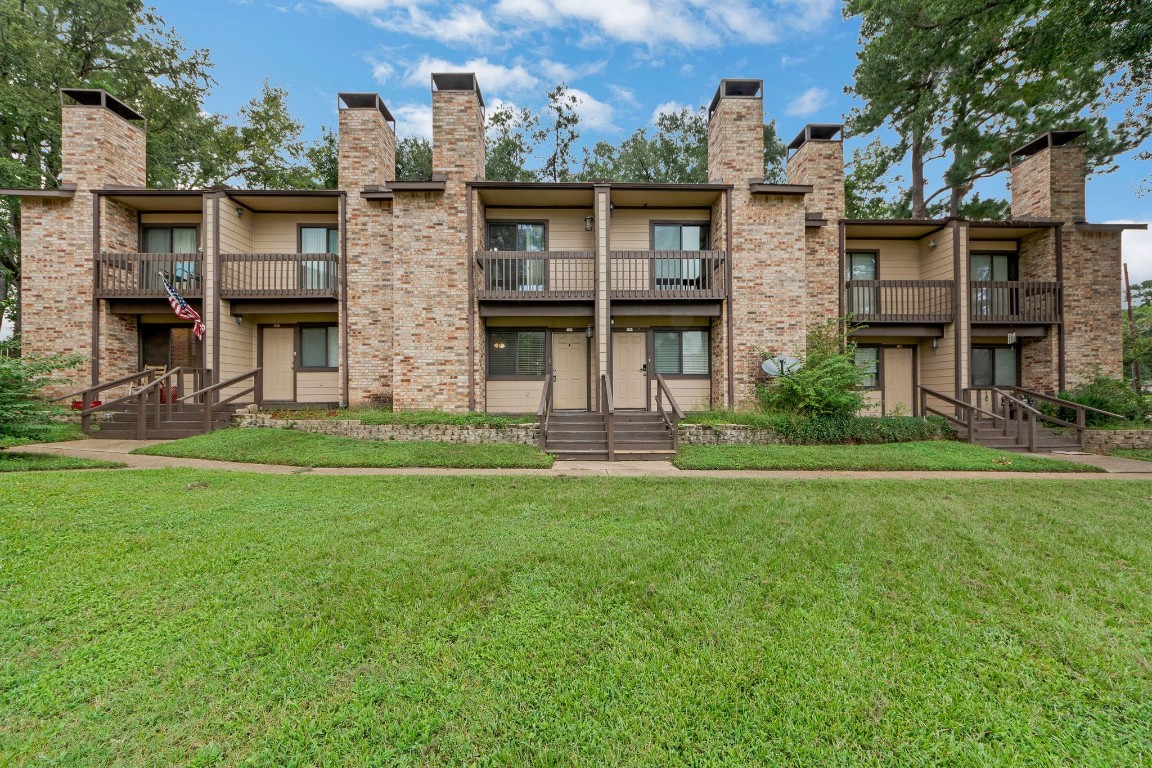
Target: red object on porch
(78, 405)
(166, 392)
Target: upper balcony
(279, 275)
(901, 301)
(536, 275)
(1012, 302)
(138, 275)
(669, 275)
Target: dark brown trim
(1062, 365)
(469, 253)
(417, 186)
(874, 330)
(62, 192)
(1084, 226)
(284, 306)
(962, 322)
(761, 188)
(841, 288)
(537, 207)
(149, 307)
(147, 192)
(345, 362)
(95, 286)
(591, 185)
(731, 294)
(215, 373)
(1021, 331)
(915, 379)
(676, 308)
(582, 309)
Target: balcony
(537, 275)
(669, 275)
(279, 275)
(1014, 302)
(137, 275)
(901, 301)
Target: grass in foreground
(303, 449)
(12, 461)
(193, 618)
(380, 416)
(929, 456)
(1144, 454)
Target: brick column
(818, 159)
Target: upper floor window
(679, 237)
(319, 274)
(516, 236)
(994, 266)
(168, 239)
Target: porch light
(935, 343)
(587, 223)
(239, 212)
(588, 331)
(239, 319)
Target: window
(516, 273)
(861, 265)
(994, 299)
(513, 354)
(868, 364)
(320, 274)
(994, 367)
(674, 273)
(681, 353)
(170, 239)
(319, 346)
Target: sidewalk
(120, 450)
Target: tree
(558, 136)
(969, 83)
(323, 159)
(826, 384)
(21, 379)
(413, 159)
(510, 135)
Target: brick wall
(368, 157)
(821, 164)
(430, 298)
(98, 148)
(769, 290)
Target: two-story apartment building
(466, 294)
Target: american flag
(181, 308)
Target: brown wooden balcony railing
(1014, 301)
(137, 275)
(536, 275)
(901, 301)
(668, 275)
(279, 275)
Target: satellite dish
(781, 365)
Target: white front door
(279, 356)
(629, 369)
(570, 368)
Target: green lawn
(175, 617)
(1144, 454)
(932, 456)
(27, 434)
(14, 461)
(304, 449)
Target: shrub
(807, 429)
(21, 379)
(826, 383)
(1107, 394)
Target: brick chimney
(736, 132)
(1048, 178)
(458, 146)
(102, 141)
(367, 141)
(817, 159)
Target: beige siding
(514, 396)
(873, 403)
(565, 226)
(938, 366)
(278, 232)
(318, 387)
(690, 394)
(631, 228)
(896, 259)
(235, 231)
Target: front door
(898, 380)
(279, 355)
(629, 370)
(570, 369)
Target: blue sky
(626, 59)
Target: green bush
(815, 429)
(825, 384)
(1112, 395)
(21, 379)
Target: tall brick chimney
(736, 132)
(367, 141)
(102, 141)
(458, 147)
(817, 159)
(1048, 178)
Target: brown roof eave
(65, 191)
(1086, 226)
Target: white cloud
(464, 24)
(808, 103)
(493, 78)
(623, 95)
(382, 71)
(594, 114)
(667, 108)
(414, 120)
(1137, 245)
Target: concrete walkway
(120, 450)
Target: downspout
(95, 285)
(345, 398)
(731, 295)
(469, 261)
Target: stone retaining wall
(1107, 440)
(727, 434)
(521, 434)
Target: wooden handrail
(107, 384)
(544, 412)
(671, 420)
(1065, 403)
(207, 393)
(608, 409)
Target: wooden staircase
(611, 435)
(156, 408)
(1006, 436)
